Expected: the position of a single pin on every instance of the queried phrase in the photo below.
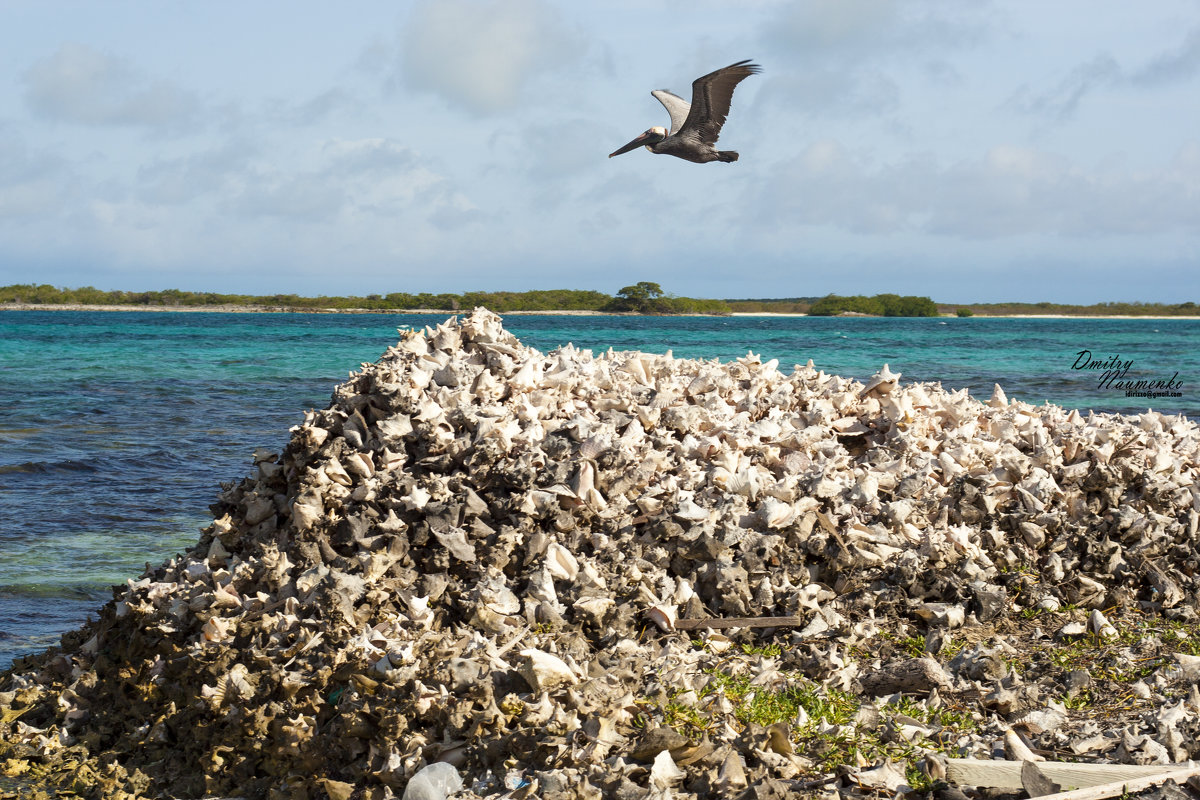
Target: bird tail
(727, 156)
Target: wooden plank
(1007, 774)
(718, 623)
(1118, 788)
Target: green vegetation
(1143, 646)
(644, 297)
(762, 706)
(1188, 309)
(770, 650)
(880, 305)
(805, 305)
(830, 728)
(694, 305)
(914, 646)
(787, 305)
(945, 716)
(1078, 702)
(1182, 638)
(821, 721)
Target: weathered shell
(1099, 625)
(882, 382)
(561, 563)
(998, 398)
(663, 616)
(775, 513)
(545, 672)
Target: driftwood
(1007, 774)
(918, 675)
(1118, 788)
(717, 623)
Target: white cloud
(277, 217)
(481, 55)
(554, 150)
(1173, 66)
(79, 84)
(185, 178)
(820, 93)
(847, 57)
(826, 26)
(328, 104)
(828, 185)
(1061, 101)
(1018, 190)
(31, 183)
(856, 31)
(368, 177)
(1008, 191)
(1103, 72)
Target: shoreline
(236, 309)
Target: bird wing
(675, 105)
(711, 96)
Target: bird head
(652, 136)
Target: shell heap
(478, 553)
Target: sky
(967, 151)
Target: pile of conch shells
(480, 554)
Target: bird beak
(636, 143)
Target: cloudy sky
(968, 151)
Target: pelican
(695, 126)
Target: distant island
(644, 297)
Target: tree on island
(880, 305)
(644, 297)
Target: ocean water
(116, 429)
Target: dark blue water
(116, 429)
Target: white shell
(360, 464)
(216, 629)
(561, 563)
(1049, 603)
(593, 609)
(664, 773)
(307, 511)
(663, 616)
(336, 472)
(775, 513)
(544, 671)
(882, 382)
(1099, 625)
(998, 399)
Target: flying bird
(695, 126)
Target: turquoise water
(116, 429)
